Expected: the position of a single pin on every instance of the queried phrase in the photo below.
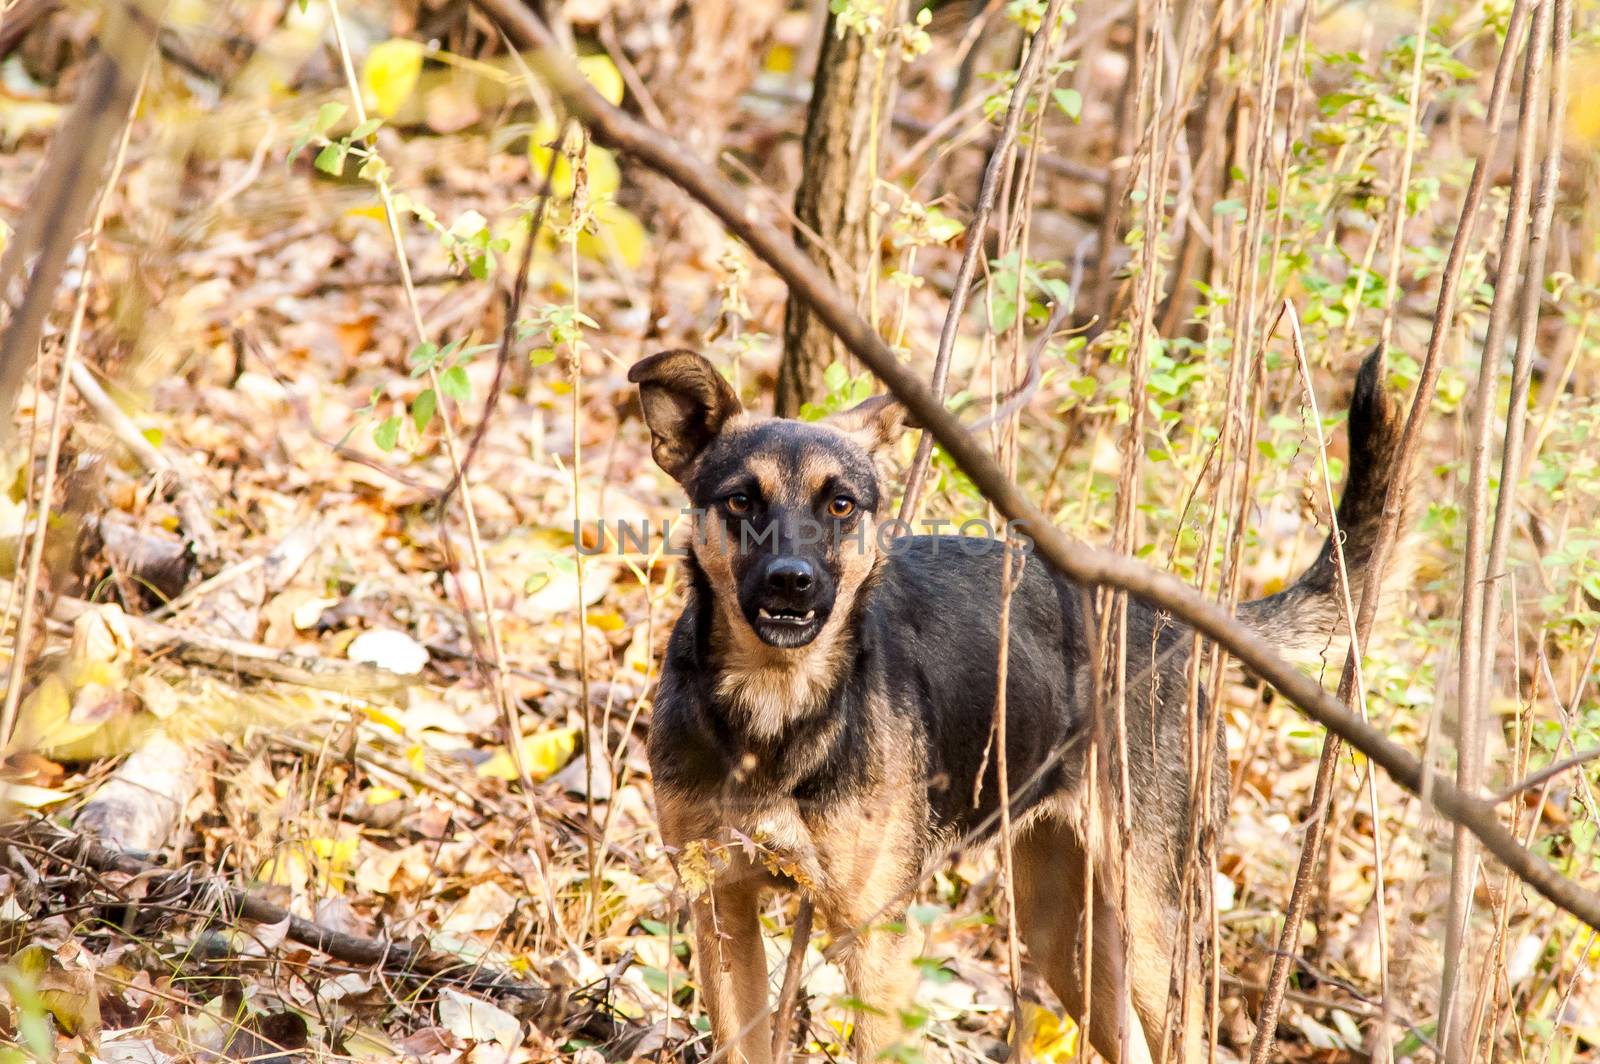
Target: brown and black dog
(828, 694)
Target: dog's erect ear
(877, 422)
(686, 403)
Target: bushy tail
(1306, 618)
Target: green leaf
(422, 409)
(330, 160)
(366, 129)
(541, 356)
(835, 376)
(327, 115)
(387, 434)
(453, 383)
(1070, 101)
(423, 357)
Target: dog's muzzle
(788, 611)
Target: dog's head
(787, 510)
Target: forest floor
(249, 312)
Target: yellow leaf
(779, 59)
(1583, 114)
(335, 857)
(389, 73)
(617, 230)
(45, 719)
(603, 74)
(27, 796)
(381, 795)
(607, 621)
(694, 868)
(1050, 1037)
(378, 716)
(544, 754)
(289, 868)
(604, 175)
(544, 142)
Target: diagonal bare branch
(1091, 566)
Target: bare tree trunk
(852, 100)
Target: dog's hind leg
(1051, 904)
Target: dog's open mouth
(787, 617)
(787, 627)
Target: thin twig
(1087, 565)
(69, 356)
(65, 190)
(1426, 785)
(497, 676)
(231, 905)
(1550, 771)
(999, 161)
(800, 934)
(1474, 594)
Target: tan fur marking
(817, 467)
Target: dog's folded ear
(877, 422)
(686, 403)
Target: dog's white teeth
(810, 614)
(766, 615)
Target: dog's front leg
(733, 970)
(879, 971)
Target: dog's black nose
(790, 577)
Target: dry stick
(800, 935)
(190, 496)
(1461, 879)
(1474, 593)
(999, 163)
(1008, 579)
(1125, 533)
(1085, 564)
(1348, 610)
(69, 355)
(580, 153)
(63, 194)
(1550, 771)
(519, 288)
(1386, 333)
(1158, 148)
(1418, 778)
(54, 843)
(468, 510)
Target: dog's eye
(737, 503)
(841, 507)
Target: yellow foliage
(604, 175)
(544, 754)
(1583, 110)
(389, 73)
(618, 230)
(1050, 1037)
(603, 74)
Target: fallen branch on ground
(557, 1012)
(1091, 566)
(239, 657)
